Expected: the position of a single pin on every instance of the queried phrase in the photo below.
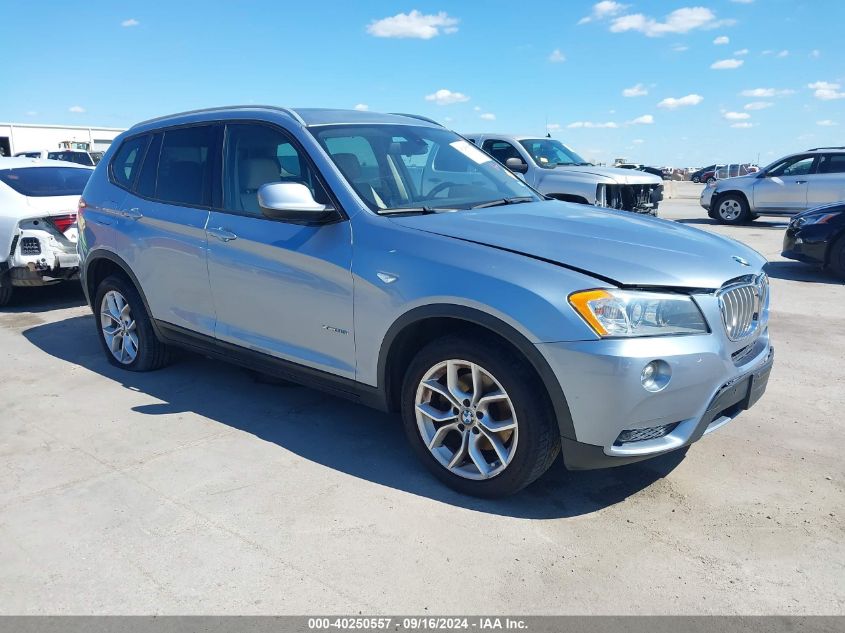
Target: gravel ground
(197, 489)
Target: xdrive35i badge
(740, 260)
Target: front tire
(696, 180)
(477, 417)
(732, 209)
(124, 327)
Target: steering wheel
(440, 187)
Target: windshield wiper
(407, 210)
(503, 201)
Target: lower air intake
(641, 435)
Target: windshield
(46, 181)
(415, 168)
(549, 153)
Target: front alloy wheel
(119, 328)
(466, 419)
(731, 209)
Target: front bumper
(801, 246)
(605, 396)
(706, 198)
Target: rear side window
(185, 166)
(832, 164)
(46, 181)
(127, 161)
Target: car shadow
(67, 294)
(756, 224)
(797, 271)
(330, 431)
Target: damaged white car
(38, 233)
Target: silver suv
(557, 171)
(786, 187)
(389, 261)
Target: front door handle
(132, 214)
(800, 182)
(222, 234)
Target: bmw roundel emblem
(740, 260)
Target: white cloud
(743, 1)
(722, 39)
(76, 109)
(758, 105)
(414, 24)
(815, 53)
(645, 119)
(766, 92)
(638, 141)
(671, 103)
(362, 107)
(446, 97)
(592, 125)
(477, 108)
(557, 57)
(635, 91)
(130, 22)
(552, 127)
(680, 48)
(783, 53)
(602, 10)
(679, 21)
(488, 116)
(31, 113)
(827, 123)
(741, 52)
(736, 116)
(826, 90)
(727, 64)
(742, 125)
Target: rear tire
(836, 259)
(732, 209)
(696, 180)
(490, 450)
(5, 295)
(125, 329)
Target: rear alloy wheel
(125, 329)
(477, 416)
(732, 209)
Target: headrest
(258, 171)
(348, 164)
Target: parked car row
(81, 157)
(505, 326)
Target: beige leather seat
(255, 172)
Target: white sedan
(38, 233)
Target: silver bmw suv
(387, 260)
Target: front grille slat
(742, 306)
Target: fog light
(655, 376)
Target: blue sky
(662, 82)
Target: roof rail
(417, 116)
(817, 148)
(287, 111)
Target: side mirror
(292, 202)
(516, 165)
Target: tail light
(63, 222)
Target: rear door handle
(132, 214)
(222, 234)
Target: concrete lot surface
(197, 489)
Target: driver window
(256, 155)
(501, 150)
(794, 167)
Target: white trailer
(27, 137)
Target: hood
(619, 176)
(736, 181)
(623, 248)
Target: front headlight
(625, 313)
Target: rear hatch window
(40, 182)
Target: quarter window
(125, 164)
(256, 155)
